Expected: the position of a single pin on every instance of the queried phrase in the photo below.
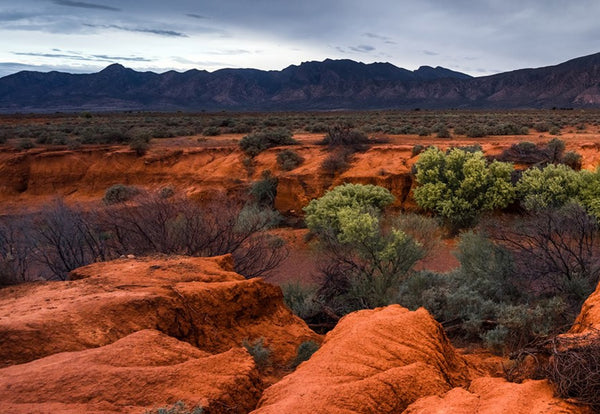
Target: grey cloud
(125, 58)
(430, 53)
(385, 39)
(84, 5)
(362, 48)
(51, 55)
(196, 16)
(82, 57)
(160, 32)
(13, 16)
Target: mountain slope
(331, 84)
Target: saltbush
(289, 159)
(119, 193)
(305, 350)
(460, 185)
(257, 142)
(259, 352)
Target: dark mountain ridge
(331, 84)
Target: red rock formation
(374, 361)
(493, 396)
(198, 300)
(144, 370)
(589, 317)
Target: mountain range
(327, 85)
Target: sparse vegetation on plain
(522, 218)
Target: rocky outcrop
(373, 361)
(141, 371)
(197, 300)
(495, 395)
(589, 317)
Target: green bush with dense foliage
(549, 187)
(460, 185)
(323, 213)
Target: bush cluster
(62, 238)
(257, 142)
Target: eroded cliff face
(30, 178)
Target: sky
(476, 37)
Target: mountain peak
(114, 68)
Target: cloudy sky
(479, 37)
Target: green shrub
(572, 160)
(260, 353)
(257, 142)
(301, 299)
(211, 131)
(318, 127)
(550, 187)
(288, 160)
(305, 350)
(25, 144)
(119, 193)
(166, 192)
(476, 131)
(417, 149)
(323, 214)
(460, 185)
(345, 136)
(556, 147)
(423, 132)
(485, 299)
(264, 191)
(336, 162)
(443, 133)
(589, 192)
(140, 145)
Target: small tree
(460, 185)
(365, 259)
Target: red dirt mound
(144, 370)
(589, 317)
(197, 300)
(374, 361)
(494, 396)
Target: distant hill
(331, 84)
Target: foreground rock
(144, 370)
(374, 361)
(495, 395)
(589, 318)
(197, 300)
